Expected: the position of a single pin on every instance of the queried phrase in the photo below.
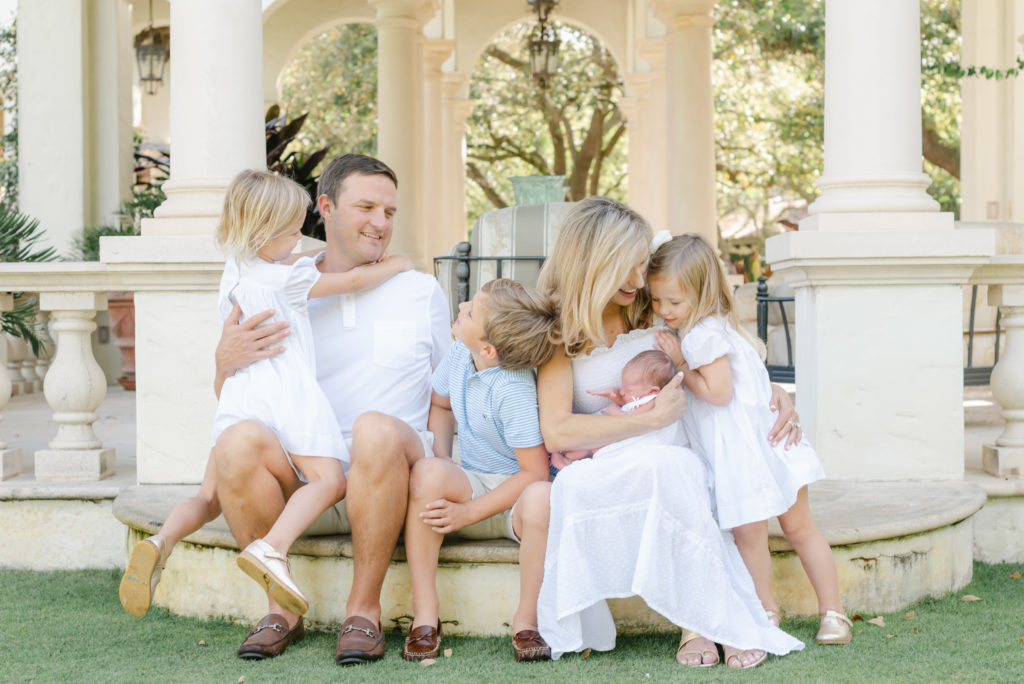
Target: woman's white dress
(753, 480)
(637, 521)
(281, 391)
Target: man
(375, 353)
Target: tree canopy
(768, 76)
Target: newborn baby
(643, 376)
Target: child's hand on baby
(667, 342)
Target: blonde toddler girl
(728, 421)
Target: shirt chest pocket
(394, 343)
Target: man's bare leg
(254, 479)
(383, 450)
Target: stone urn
(538, 189)
(121, 309)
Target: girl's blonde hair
(690, 260)
(597, 246)
(258, 207)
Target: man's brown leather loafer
(270, 637)
(359, 641)
(528, 645)
(423, 642)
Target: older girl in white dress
(728, 421)
(638, 523)
(259, 228)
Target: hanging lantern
(151, 55)
(544, 44)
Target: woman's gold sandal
(688, 636)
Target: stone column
(216, 110)
(455, 114)
(691, 140)
(10, 459)
(656, 135)
(986, 128)
(873, 110)
(634, 107)
(399, 26)
(74, 390)
(1005, 458)
(435, 53)
(52, 88)
(877, 271)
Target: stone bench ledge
(851, 512)
(145, 507)
(847, 512)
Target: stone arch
(290, 24)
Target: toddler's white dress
(636, 520)
(753, 480)
(281, 392)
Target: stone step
(894, 543)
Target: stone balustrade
(69, 296)
(1004, 275)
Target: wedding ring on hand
(796, 425)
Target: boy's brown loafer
(359, 641)
(270, 637)
(528, 645)
(423, 642)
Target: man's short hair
(522, 324)
(334, 174)
(656, 367)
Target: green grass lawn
(69, 626)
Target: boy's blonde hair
(690, 260)
(258, 207)
(522, 324)
(597, 246)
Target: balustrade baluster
(1005, 458)
(10, 459)
(74, 389)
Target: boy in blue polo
(486, 385)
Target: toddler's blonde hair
(690, 260)
(258, 207)
(597, 246)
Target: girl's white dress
(753, 480)
(281, 392)
(637, 520)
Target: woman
(639, 523)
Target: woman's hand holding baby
(670, 404)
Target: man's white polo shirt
(376, 349)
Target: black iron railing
(463, 270)
(777, 373)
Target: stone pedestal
(879, 346)
(74, 465)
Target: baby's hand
(667, 342)
(613, 394)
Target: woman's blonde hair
(690, 260)
(598, 244)
(258, 207)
